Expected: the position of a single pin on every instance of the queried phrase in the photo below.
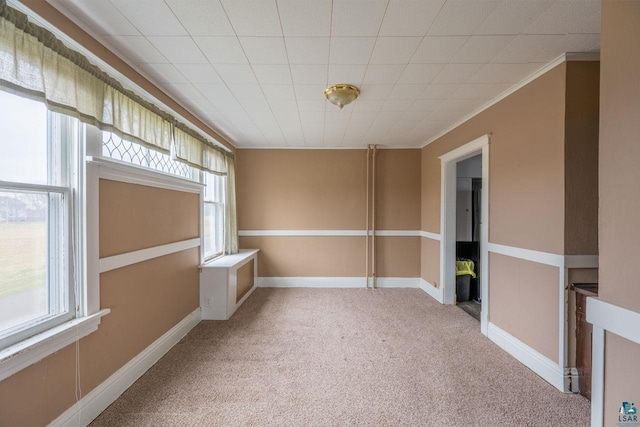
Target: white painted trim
(545, 69)
(429, 235)
(96, 401)
(336, 282)
(563, 321)
(342, 148)
(470, 149)
(597, 374)
(301, 233)
(398, 233)
(613, 318)
(448, 190)
(125, 172)
(230, 261)
(32, 350)
(538, 363)
(484, 242)
(122, 260)
(244, 298)
(435, 293)
(547, 258)
(329, 233)
(610, 318)
(528, 254)
(447, 231)
(92, 236)
(398, 282)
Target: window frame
(206, 257)
(80, 220)
(61, 134)
(194, 174)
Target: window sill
(32, 350)
(230, 261)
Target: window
(213, 214)
(120, 149)
(213, 209)
(38, 179)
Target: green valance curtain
(189, 150)
(34, 63)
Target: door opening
(468, 220)
(472, 231)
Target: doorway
(477, 227)
(468, 220)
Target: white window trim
(87, 305)
(205, 258)
(36, 348)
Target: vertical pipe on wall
(373, 217)
(366, 265)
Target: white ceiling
(255, 70)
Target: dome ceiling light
(341, 94)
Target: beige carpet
(329, 357)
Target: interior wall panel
(326, 190)
(523, 301)
(146, 300)
(619, 187)
(581, 158)
(398, 189)
(430, 260)
(301, 189)
(134, 217)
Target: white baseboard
(311, 282)
(398, 282)
(336, 282)
(538, 363)
(96, 401)
(435, 293)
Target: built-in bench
(226, 282)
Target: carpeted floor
(329, 357)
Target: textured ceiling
(255, 70)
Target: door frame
(448, 190)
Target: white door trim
(448, 225)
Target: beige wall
(325, 190)
(398, 190)
(146, 300)
(430, 261)
(134, 217)
(619, 185)
(543, 148)
(581, 158)
(526, 165)
(301, 189)
(523, 301)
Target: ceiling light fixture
(341, 94)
